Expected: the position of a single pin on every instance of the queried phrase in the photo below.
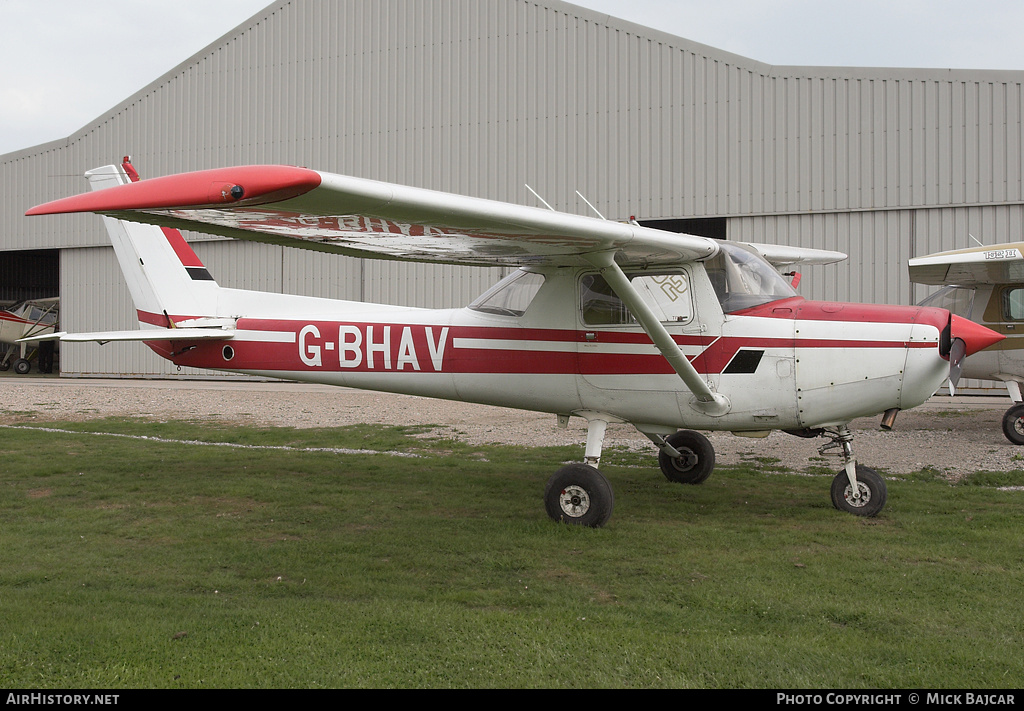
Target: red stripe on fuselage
(8, 316)
(412, 348)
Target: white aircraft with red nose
(611, 322)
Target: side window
(601, 307)
(1013, 303)
(668, 295)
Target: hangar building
(481, 97)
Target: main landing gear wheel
(22, 366)
(579, 494)
(872, 492)
(1013, 424)
(696, 460)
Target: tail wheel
(696, 460)
(871, 488)
(579, 494)
(1013, 424)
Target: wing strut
(706, 400)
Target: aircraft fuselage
(785, 364)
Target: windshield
(743, 279)
(37, 315)
(511, 296)
(956, 299)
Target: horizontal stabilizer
(149, 334)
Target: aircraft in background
(602, 320)
(22, 320)
(986, 285)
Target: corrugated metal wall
(481, 96)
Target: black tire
(5, 364)
(697, 462)
(872, 492)
(22, 366)
(579, 494)
(1013, 424)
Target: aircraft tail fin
(166, 278)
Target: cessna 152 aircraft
(986, 285)
(607, 321)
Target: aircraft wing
(322, 211)
(43, 303)
(1000, 264)
(780, 255)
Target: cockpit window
(511, 296)
(37, 315)
(667, 294)
(742, 279)
(955, 299)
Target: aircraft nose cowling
(975, 336)
(927, 369)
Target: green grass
(130, 563)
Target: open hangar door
(29, 305)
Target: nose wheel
(856, 489)
(867, 499)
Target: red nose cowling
(974, 336)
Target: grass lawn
(145, 563)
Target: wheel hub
(574, 501)
(859, 498)
(686, 460)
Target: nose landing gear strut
(856, 489)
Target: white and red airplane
(22, 321)
(607, 321)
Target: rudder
(166, 278)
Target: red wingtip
(975, 336)
(246, 185)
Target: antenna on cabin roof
(539, 198)
(590, 206)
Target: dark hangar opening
(713, 227)
(30, 274)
